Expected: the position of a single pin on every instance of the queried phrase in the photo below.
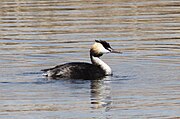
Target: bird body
(75, 70)
(83, 70)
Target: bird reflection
(100, 93)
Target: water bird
(82, 70)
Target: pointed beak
(114, 51)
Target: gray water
(38, 34)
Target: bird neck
(98, 62)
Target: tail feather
(45, 70)
(45, 74)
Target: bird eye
(110, 49)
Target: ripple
(41, 33)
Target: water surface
(41, 34)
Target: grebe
(82, 70)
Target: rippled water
(37, 34)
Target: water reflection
(36, 34)
(100, 93)
(100, 90)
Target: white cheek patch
(102, 49)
